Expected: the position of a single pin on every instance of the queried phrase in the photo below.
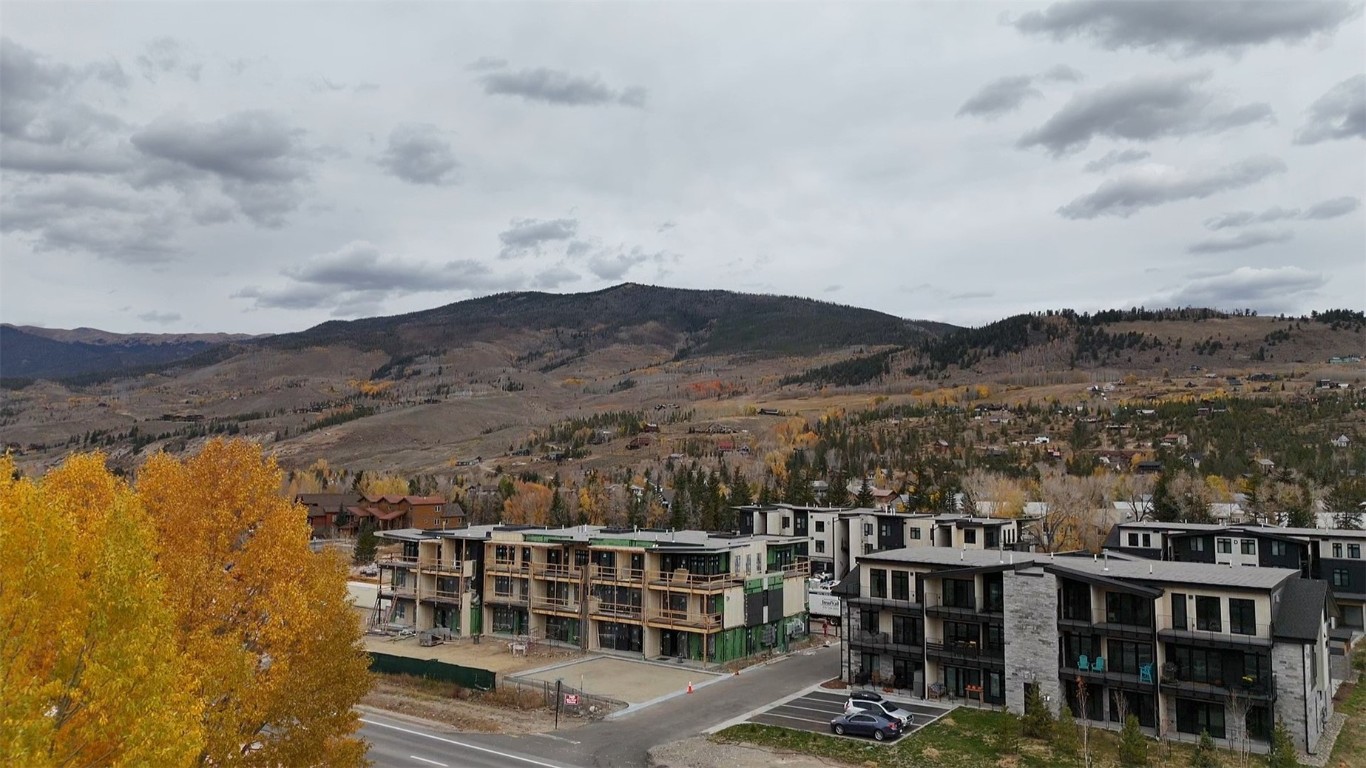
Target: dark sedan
(860, 723)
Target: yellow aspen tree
(89, 673)
(374, 484)
(529, 503)
(263, 621)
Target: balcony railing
(1220, 690)
(885, 641)
(682, 579)
(558, 571)
(937, 607)
(393, 559)
(612, 573)
(508, 566)
(436, 566)
(798, 568)
(687, 619)
(507, 598)
(556, 604)
(628, 611)
(442, 595)
(1192, 631)
(402, 590)
(963, 650)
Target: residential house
(394, 512)
(325, 510)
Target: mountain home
(1185, 647)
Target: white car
(882, 707)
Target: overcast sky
(257, 167)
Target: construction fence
(465, 677)
(573, 701)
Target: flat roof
(1176, 572)
(956, 558)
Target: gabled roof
(1302, 607)
(849, 585)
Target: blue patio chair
(1098, 665)
(1145, 673)
(1083, 662)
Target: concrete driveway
(814, 710)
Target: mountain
(28, 352)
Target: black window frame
(1242, 616)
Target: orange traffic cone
(689, 686)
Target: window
(993, 589)
(877, 582)
(867, 529)
(1197, 545)
(1131, 610)
(1148, 540)
(1197, 716)
(1337, 550)
(1278, 549)
(1207, 610)
(1076, 601)
(820, 547)
(1249, 546)
(915, 533)
(1354, 551)
(901, 585)
(1225, 546)
(1179, 620)
(970, 536)
(959, 593)
(870, 620)
(400, 610)
(1133, 539)
(1242, 616)
(787, 521)
(995, 640)
(961, 633)
(907, 630)
(820, 526)
(1128, 657)
(1340, 578)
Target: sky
(260, 168)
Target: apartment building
(691, 594)
(1186, 647)
(839, 536)
(1329, 554)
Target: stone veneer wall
(1300, 703)
(1031, 637)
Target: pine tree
(1008, 734)
(864, 499)
(838, 494)
(1133, 745)
(366, 544)
(740, 494)
(1283, 753)
(1164, 505)
(1203, 757)
(1037, 722)
(1064, 736)
(559, 514)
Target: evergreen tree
(864, 499)
(366, 544)
(1203, 757)
(1164, 505)
(1133, 745)
(1344, 500)
(740, 494)
(1037, 722)
(1283, 753)
(838, 494)
(1008, 734)
(558, 515)
(1064, 736)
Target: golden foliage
(89, 672)
(371, 388)
(378, 484)
(528, 504)
(263, 623)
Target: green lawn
(1350, 750)
(964, 739)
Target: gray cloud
(1000, 96)
(554, 86)
(164, 56)
(92, 216)
(160, 318)
(971, 295)
(1116, 157)
(1242, 241)
(613, 264)
(554, 277)
(1273, 289)
(526, 236)
(255, 156)
(418, 154)
(1328, 209)
(1338, 114)
(485, 63)
(1188, 27)
(1142, 109)
(1331, 209)
(1063, 74)
(359, 276)
(1126, 195)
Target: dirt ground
(491, 654)
(622, 679)
(502, 711)
(699, 752)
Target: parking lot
(814, 711)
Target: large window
(1197, 716)
(1278, 549)
(957, 680)
(995, 638)
(1337, 550)
(1074, 646)
(1128, 657)
(994, 588)
(1242, 616)
(901, 585)
(961, 632)
(1076, 601)
(1340, 578)
(1249, 546)
(877, 582)
(1128, 609)
(1179, 611)
(1224, 546)
(907, 630)
(1141, 705)
(619, 637)
(1354, 551)
(1207, 614)
(820, 526)
(970, 536)
(509, 621)
(915, 533)
(870, 620)
(958, 593)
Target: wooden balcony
(666, 619)
(436, 566)
(556, 571)
(506, 598)
(404, 590)
(395, 560)
(614, 611)
(683, 580)
(611, 574)
(513, 567)
(555, 605)
(442, 596)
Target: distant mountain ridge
(541, 328)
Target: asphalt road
(617, 743)
(814, 711)
(401, 744)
